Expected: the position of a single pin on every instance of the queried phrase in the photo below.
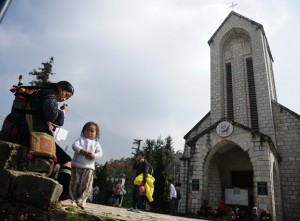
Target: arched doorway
(229, 168)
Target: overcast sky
(141, 69)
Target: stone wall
(26, 191)
(212, 161)
(287, 125)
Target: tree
(101, 174)
(43, 73)
(136, 149)
(163, 155)
(121, 166)
(148, 149)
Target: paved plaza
(115, 213)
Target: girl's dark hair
(89, 124)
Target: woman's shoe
(67, 203)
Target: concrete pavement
(121, 214)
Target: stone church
(246, 150)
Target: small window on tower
(252, 94)
(229, 91)
(195, 185)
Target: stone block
(5, 182)
(40, 165)
(34, 189)
(13, 156)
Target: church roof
(263, 137)
(199, 123)
(286, 109)
(259, 26)
(213, 126)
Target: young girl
(86, 150)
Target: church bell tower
(242, 81)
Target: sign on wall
(262, 188)
(236, 196)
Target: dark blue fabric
(44, 105)
(137, 200)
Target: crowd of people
(233, 212)
(142, 188)
(114, 191)
(261, 215)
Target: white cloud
(141, 69)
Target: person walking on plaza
(178, 197)
(141, 166)
(95, 194)
(86, 150)
(109, 190)
(172, 197)
(119, 192)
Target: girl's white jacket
(92, 146)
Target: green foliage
(160, 154)
(105, 216)
(122, 166)
(136, 149)
(101, 174)
(73, 215)
(43, 73)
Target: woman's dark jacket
(43, 108)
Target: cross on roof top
(232, 6)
